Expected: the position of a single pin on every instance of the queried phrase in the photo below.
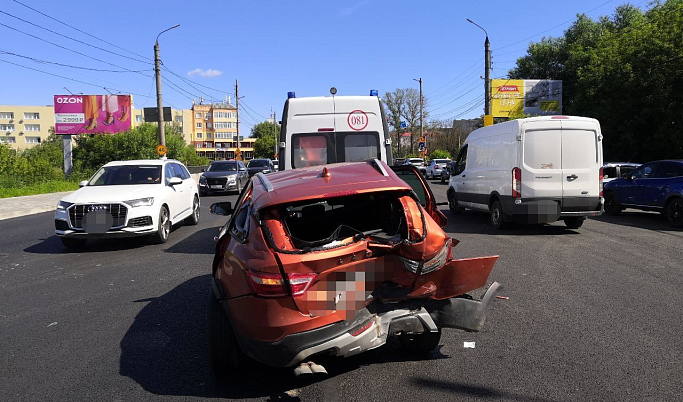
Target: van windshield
(314, 149)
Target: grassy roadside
(54, 186)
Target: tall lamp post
(487, 70)
(421, 105)
(157, 73)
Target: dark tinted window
(223, 167)
(177, 171)
(642, 172)
(413, 180)
(461, 163)
(609, 172)
(126, 175)
(668, 169)
(258, 163)
(626, 169)
(168, 172)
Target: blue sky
(273, 47)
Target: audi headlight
(64, 205)
(141, 202)
(433, 264)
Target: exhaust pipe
(309, 369)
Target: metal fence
(196, 169)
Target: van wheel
(574, 223)
(420, 343)
(498, 218)
(453, 204)
(224, 353)
(674, 212)
(612, 206)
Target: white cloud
(352, 9)
(210, 73)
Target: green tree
(264, 147)
(624, 70)
(439, 154)
(265, 129)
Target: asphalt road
(592, 314)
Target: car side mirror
(203, 170)
(175, 181)
(83, 183)
(221, 208)
(631, 178)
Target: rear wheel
(163, 227)
(420, 343)
(73, 243)
(674, 212)
(574, 223)
(498, 218)
(194, 218)
(224, 353)
(453, 204)
(612, 206)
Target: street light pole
(487, 70)
(157, 73)
(421, 106)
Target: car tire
(612, 206)
(224, 352)
(420, 343)
(193, 219)
(574, 223)
(453, 204)
(674, 212)
(73, 243)
(163, 226)
(443, 180)
(497, 215)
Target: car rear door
(581, 160)
(651, 191)
(411, 175)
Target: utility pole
(421, 106)
(274, 134)
(487, 75)
(237, 105)
(157, 73)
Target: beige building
(24, 127)
(214, 135)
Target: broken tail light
(433, 264)
(299, 283)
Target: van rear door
(542, 156)
(581, 162)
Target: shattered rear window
(386, 217)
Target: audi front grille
(77, 212)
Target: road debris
(468, 345)
(503, 297)
(52, 323)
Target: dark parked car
(654, 186)
(446, 172)
(223, 176)
(264, 166)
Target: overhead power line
(255, 112)
(73, 39)
(70, 65)
(81, 31)
(74, 80)
(73, 51)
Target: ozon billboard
(518, 98)
(90, 114)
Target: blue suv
(654, 186)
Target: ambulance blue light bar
(373, 92)
(291, 95)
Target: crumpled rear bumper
(369, 329)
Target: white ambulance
(331, 129)
(534, 170)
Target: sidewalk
(30, 204)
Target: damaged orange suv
(333, 260)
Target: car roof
(159, 162)
(307, 183)
(622, 164)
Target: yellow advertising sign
(507, 98)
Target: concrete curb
(15, 207)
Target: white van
(330, 129)
(534, 170)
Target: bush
(439, 154)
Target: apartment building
(215, 132)
(24, 127)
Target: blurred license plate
(216, 186)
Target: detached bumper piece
(465, 314)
